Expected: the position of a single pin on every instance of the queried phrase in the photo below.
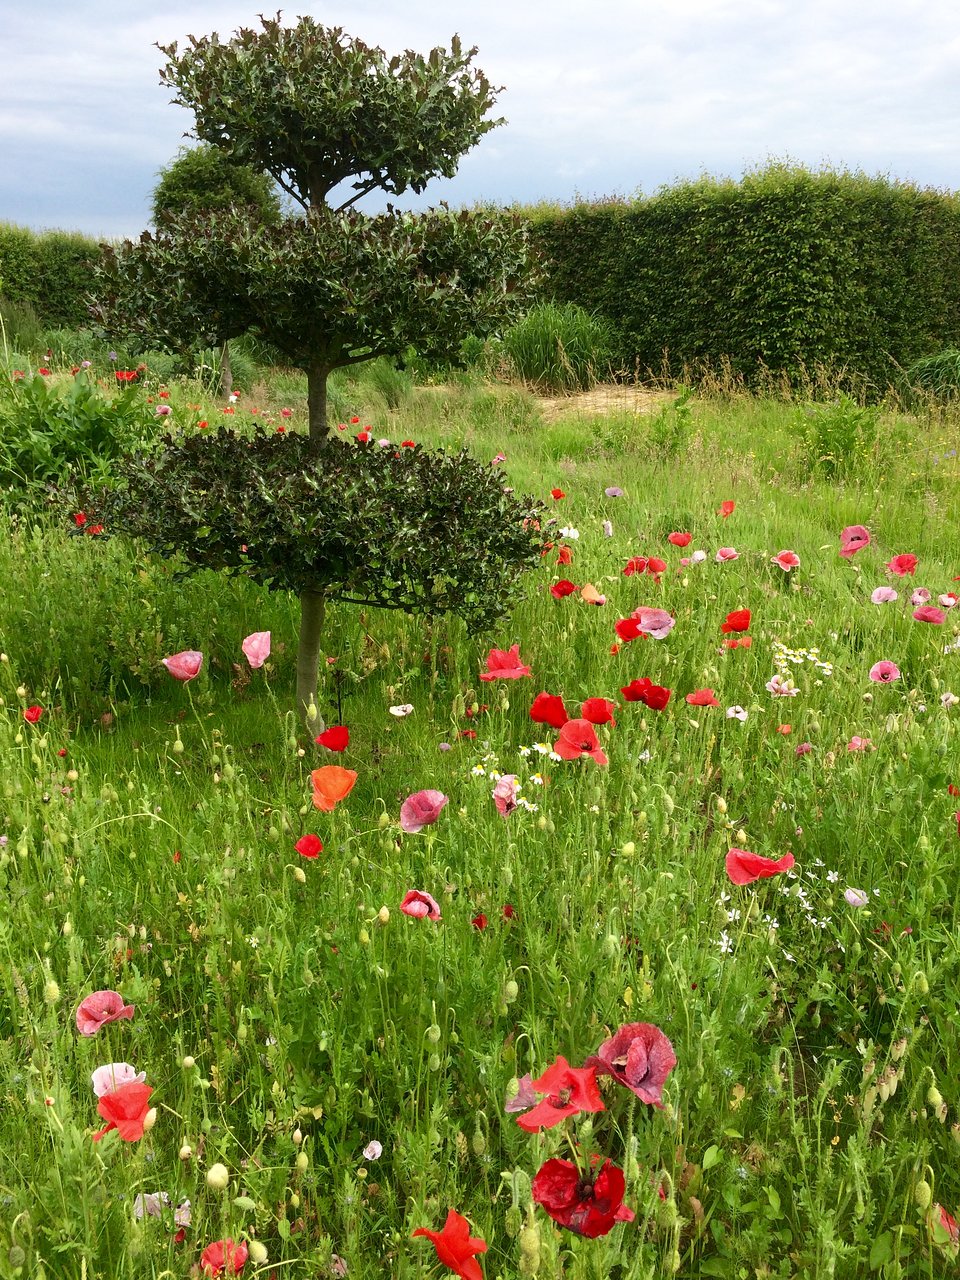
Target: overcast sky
(612, 97)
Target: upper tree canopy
(315, 108)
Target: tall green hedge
(787, 268)
(50, 270)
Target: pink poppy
(420, 810)
(902, 565)
(640, 1056)
(656, 623)
(787, 560)
(184, 666)
(884, 672)
(702, 698)
(579, 738)
(857, 743)
(505, 794)
(743, 867)
(930, 613)
(727, 553)
(920, 596)
(504, 664)
(853, 539)
(99, 1008)
(948, 600)
(420, 905)
(804, 748)
(883, 595)
(108, 1079)
(256, 647)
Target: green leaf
(881, 1251)
(713, 1155)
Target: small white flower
(373, 1150)
(569, 532)
(404, 709)
(733, 915)
(478, 771)
(525, 751)
(725, 944)
(698, 557)
(833, 876)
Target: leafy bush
(48, 430)
(559, 347)
(840, 438)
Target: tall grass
(559, 348)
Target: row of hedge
(50, 271)
(786, 268)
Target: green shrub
(840, 438)
(559, 347)
(49, 430)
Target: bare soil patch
(604, 399)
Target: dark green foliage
(202, 178)
(52, 272)
(314, 107)
(792, 270)
(48, 431)
(400, 528)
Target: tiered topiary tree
(330, 119)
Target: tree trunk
(317, 401)
(312, 605)
(226, 373)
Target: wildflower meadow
(618, 941)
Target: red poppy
(953, 790)
(479, 922)
(336, 738)
(408, 444)
(568, 1091)
(32, 714)
(627, 628)
(562, 588)
(95, 529)
(598, 710)
(738, 620)
(309, 846)
(79, 519)
(556, 494)
(745, 642)
(456, 1247)
(363, 437)
(744, 867)
(223, 1258)
(125, 375)
(641, 1057)
(589, 1205)
(548, 709)
(579, 738)
(902, 565)
(504, 664)
(638, 564)
(565, 556)
(726, 508)
(929, 613)
(125, 1109)
(654, 696)
(702, 698)
(656, 566)
(680, 539)
(509, 912)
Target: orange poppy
(331, 784)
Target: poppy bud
(364, 938)
(510, 991)
(923, 1195)
(294, 1201)
(921, 983)
(188, 1063)
(513, 1221)
(302, 1162)
(257, 1252)
(297, 1137)
(478, 1142)
(542, 822)
(186, 1151)
(312, 712)
(383, 915)
(611, 945)
(433, 1033)
(934, 1096)
(628, 849)
(668, 804)
(384, 820)
(242, 1032)
(67, 929)
(721, 805)
(299, 875)
(150, 1119)
(218, 1177)
(51, 992)
(433, 1062)
(530, 1246)
(742, 836)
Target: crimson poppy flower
(32, 714)
(579, 738)
(637, 564)
(568, 1091)
(420, 904)
(223, 1258)
(726, 508)
(99, 1008)
(422, 809)
(680, 539)
(509, 912)
(640, 1056)
(702, 698)
(336, 738)
(125, 1109)
(627, 628)
(654, 696)
(745, 642)
(363, 437)
(562, 588)
(853, 539)
(929, 613)
(95, 529)
(598, 710)
(408, 444)
(125, 375)
(479, 922)
(744, 867)
(309, 846)
(902, 565)
(738, 620)
(504, 664)
(455, 1246)
(588, 1205)
(556, 494)
(79, 519)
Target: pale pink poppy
(929, 613)
(656, 623)
(727, 553)
(420, 905)
(919, 597)
(698, 557)
(884, 672)
(857, 743)
(948, 599)
(787, 560)
(256, 647)
(99, 1008)
(853, 539)
(505, 794)
(883, 595)
(184, 666)
(420, 810)
(109, 1078)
